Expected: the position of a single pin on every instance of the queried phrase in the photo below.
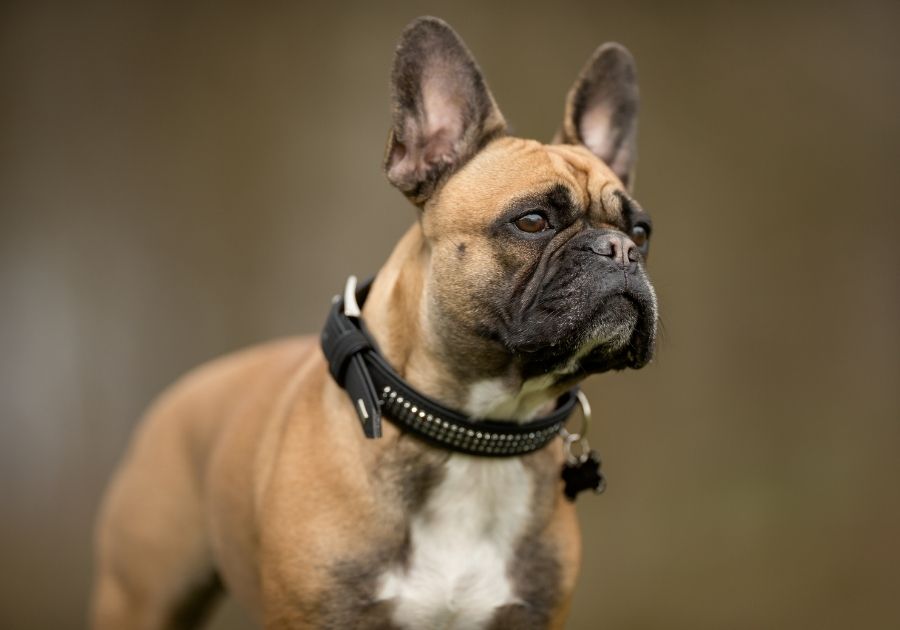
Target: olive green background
(178, 180)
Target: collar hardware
(376, 390)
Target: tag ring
(576, 444)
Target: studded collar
(376, 390)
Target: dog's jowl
(404, 470)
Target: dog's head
(535, 252)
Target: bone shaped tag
(583, 474)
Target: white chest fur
(462, 543)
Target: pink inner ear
(398, 152)
(409, 163)
(594, 128)
(402, 164)
(443, 104)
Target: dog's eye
(639, 235)
(532, 223)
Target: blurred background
(179, 180)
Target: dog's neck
(396, 316)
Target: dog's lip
(569, 347)
(635, 353)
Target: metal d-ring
(575, 444)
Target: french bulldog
(523, 274)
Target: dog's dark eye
(532, 222)
(639, 235)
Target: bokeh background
(179, 180)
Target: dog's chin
(621, 337)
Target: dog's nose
(618, 247)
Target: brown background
(180, 181)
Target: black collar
(375, 389)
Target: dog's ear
(601, 110)
(443, 112)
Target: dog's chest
(462, 545)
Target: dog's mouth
(624, 337)
(619, 334)
(633, 351)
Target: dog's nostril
(620, 248)
(603, 247)
(615, 247)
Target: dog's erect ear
(443, 112)
(601, 110)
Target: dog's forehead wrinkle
(573, 174)
(608, 209)
(590, 178)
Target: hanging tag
(582, 468)
(583, 474)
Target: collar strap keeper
(375, 389)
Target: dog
(524, 273)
